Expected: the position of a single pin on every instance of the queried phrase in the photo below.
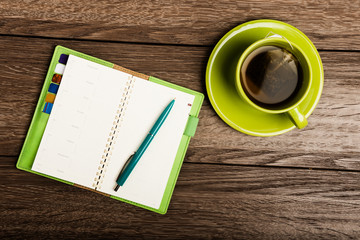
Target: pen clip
(126, 163)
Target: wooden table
(304, 184)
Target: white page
(80, 121)
(146, 184)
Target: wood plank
(330, 141)
(209, 201)
(330, 24)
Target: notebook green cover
(39, 121)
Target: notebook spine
(111, 141)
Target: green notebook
(92, 115)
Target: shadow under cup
(302, 89)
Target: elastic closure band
(191, 126)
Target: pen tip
(117, 188)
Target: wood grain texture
(329, 24)
(331, 140)
(304, 184)
(209, 201)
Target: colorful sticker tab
(56, 78)
(50, 98)
(53, 88)
(47, 108)
(59, 68)
(63, 58)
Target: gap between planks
(249, 165)
(144, 43)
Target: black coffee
(271, 76)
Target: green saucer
(220, 79)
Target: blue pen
(134, 159)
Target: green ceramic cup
(291, 107)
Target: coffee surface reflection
(271, 76)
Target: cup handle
(298, 118)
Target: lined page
(82, 117)
(146, 184)
(80, 121)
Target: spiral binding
(118, 119)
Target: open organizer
(92, 115)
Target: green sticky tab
(191, 126)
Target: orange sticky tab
(50, 98)
(56, 78)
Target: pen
(134, 159)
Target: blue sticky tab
(47, 108)
(53, 88)
(63, 58)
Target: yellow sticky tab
(50, 98)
